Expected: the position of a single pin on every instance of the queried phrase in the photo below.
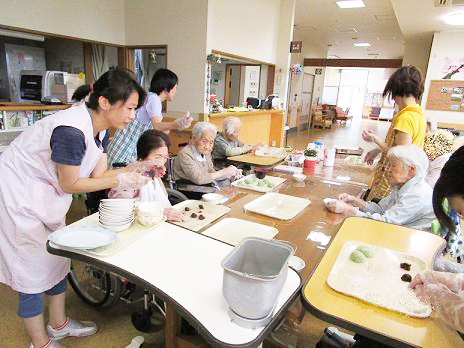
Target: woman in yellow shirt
(409, 125)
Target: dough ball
(357, 256)
(367, 252)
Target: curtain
(99, 61)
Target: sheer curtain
(99, 61)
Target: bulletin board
(446, 95)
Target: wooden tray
(378, 279)
(210, 211)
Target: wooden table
(262, 161)
(382, 325)
(314, 218)
(184, 269)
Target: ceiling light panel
(362, 44)
(351, 3)
(455, 19)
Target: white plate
(83, 237)
(251, 177)
(210, 211)
(277, 205)
(296, 263)
(378, 279)
(232, 230)
(214, 198)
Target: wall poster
(446, 95)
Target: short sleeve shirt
(150, 109)
(68, 145)
(411, 120)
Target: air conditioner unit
(450, 3)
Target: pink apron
(32, 204)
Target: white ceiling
(421, 18)
(324, 23)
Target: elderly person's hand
(340, 207)
(371, 156)
(230, 171)
(174, 215)
(347, 198)
(453, 281)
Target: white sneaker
(50, 344)
(72, 328)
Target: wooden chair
(320, 121)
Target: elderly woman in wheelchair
(152, 146)
(193, 168)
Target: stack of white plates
(116, 214)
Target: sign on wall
(295, 46)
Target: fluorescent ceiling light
(21, 35)
(362, 44)
(455, 19)
(351, 3)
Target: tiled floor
(116, 329)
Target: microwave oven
(35, 85)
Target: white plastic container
(329, 157)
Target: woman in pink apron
(57, 156)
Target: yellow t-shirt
(411, 120)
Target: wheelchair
(99, 288)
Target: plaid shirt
(123, 147)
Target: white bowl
(118, 202)
(150, 210)
(118, 228)
(214, 198)
(149, 222)
(115, 222)
(299, 177)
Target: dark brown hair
(450, 183)
(151, 139)
(405, 82)
(115, 85)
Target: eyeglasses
(158, 156)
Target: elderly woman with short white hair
(194, 164)
(410, 202)
(227, 143)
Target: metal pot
(254, 275)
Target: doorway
(353, 83)
(232, 85)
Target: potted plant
(310, 153)
(310, 159)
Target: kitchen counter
(258, 126)
(31, 107)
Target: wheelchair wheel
(175, 196)
(93, 285)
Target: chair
(320, 121)
(342, 116)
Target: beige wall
(446, 44)
(181, 25)
(245, 28)
(101, 20)
(284, 37)
(417, 53)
